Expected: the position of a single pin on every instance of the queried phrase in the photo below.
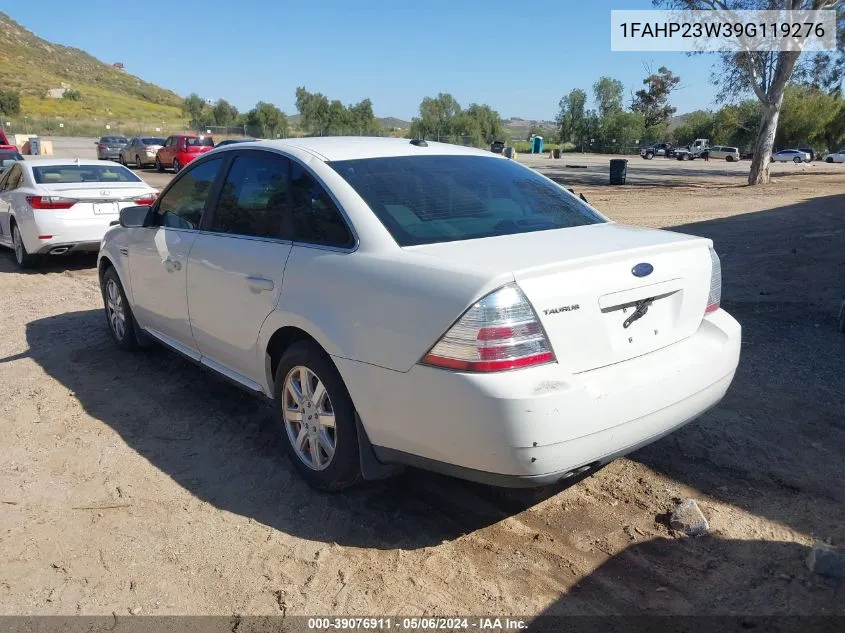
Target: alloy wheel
(309, 418)
(18, 244)
(114, 306)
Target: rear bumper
(84, 234)
(535, 426)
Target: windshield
(431, 199)
(58, 174)
(199, 141)
(151, 140)
(114, 140)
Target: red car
(5, 144)
(181, 149)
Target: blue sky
(519, 57)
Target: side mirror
(6, 164)
(136, 217)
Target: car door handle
(172, 264)
(260, 283)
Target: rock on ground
(826, 560)
(689, 519)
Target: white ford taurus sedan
(56, 206)
(412, 303)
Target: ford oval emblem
(642, 270)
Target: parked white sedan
(791, 156)
(836, 157)
(412, 303)
(55, 206)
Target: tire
(729, 159)
(177, 166)
(343, 468)
(828, 160)
(138, 163)
(687, 156)
(649, 156)
(797, 160)
(159, 166)
(23, 259)
(116, 305)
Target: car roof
(332, 148)
(67, 162)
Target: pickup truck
(657, 149)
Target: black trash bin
(618, 171)
(556, 153)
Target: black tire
(649, 156)
(128, 340)
(828, 160)
(729, 159)
(344, 469)
(23, 259)
(138, 163)
(159, 166)
(177, 166)
(797, 160)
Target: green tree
(766, 74)
(224, 113)
(196, 110)
(653, 101)
(72, 95)
(736, 124)
(314, 110)
(437, 114)
(608, 95)
(267, 120)
(571, 118)
(698, 124)
(620, 130)
(10, 102)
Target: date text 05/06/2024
(492, 624)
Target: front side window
(316, 218)
(182, 206)
(15, 178)
(431, 199)
(254, 197)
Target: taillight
(715, 297)
(499, 332)
(102, 147)
(50, 202)
(147, 198)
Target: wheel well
(105, 264)
(281, 340)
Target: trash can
(618, 171)
(35, 146)
(556, 153)
(509, 152)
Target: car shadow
(222, 444)
(48, 263)
(773, 448)
(728, 585)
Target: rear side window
(61, 174)
(182, 206)
(199, 141)
(431, 199)
(254, 198)
(316, 218)
(152, 141)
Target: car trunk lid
(583, 286)
(105, 198)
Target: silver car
(140, 151)
(108, 147)
(729, 154)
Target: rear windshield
(431, 199)
(58, 174)
(150, 140)
(202, 141)
(117, 140)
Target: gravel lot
(142, 481)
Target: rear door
(236, 266)
(158, 256)
(5, 234)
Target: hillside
(32, 66)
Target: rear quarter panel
(386, 310)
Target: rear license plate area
(105, 208)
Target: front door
(158, 257)
(236, 266)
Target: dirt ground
(142, 481)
